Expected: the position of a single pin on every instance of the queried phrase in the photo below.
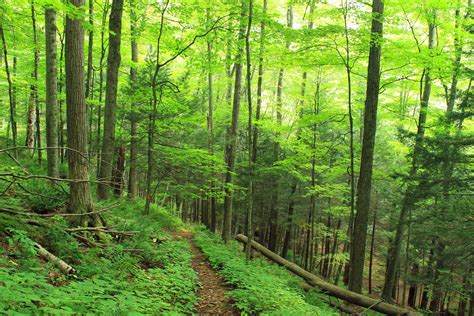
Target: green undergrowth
(258, 286)
(149, 273)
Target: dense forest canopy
(338, 134)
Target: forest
(236, 157)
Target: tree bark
(134, 137)
(232, 133)
(113, 64)
(249, 227)
(329, 288)
(11, 96)
(89, 53)
(51, 94)
(370, 124)
(103, 50)
(33, 108)
(80, 199)
(212, 203)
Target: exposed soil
(212, 298)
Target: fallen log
(330, 289)
(48, 256)
(343, 308)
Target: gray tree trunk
(80, 200)
(232, 132)
(11, 91)
(51, 94)
(134, 137)
(113, 64)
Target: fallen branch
(60, 264)
(87, 241)
(330, 289)
(82, 229)
(102, 229)
(73, 214)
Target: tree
(368, 145)
(410, 194)
(113, 64)
(249, 229)
(51, 94)
(231, 137)
(80, 199)
(134, 137)
(11, 91)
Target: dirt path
(212, 299)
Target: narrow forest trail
(212, 292)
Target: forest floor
(212, 292)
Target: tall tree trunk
(249, 227)
(80, 199)
(259, 84)
(410, 193)
(134, 137)
(34, 86)
(61, 84)
(11, 92)
(348, 66)
(89, 52)
(51, 93)
(103, 50)
(272, 242)
(212, 203)
(113, 64)
(232, 133)
(370, 125)
(90, 71)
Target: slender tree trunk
(410, 194)
(33, 119)
(259, 84)
(101, 82)
(11, 96)
(113, 64)
(134, 137)
(61, 84)
(90, 71)
(212, 203)
(51, 93)
(348, 66)
(89, 52)
(365, 179)
(151, 142)
(231, 141)
(272, 243)
(249, 227)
